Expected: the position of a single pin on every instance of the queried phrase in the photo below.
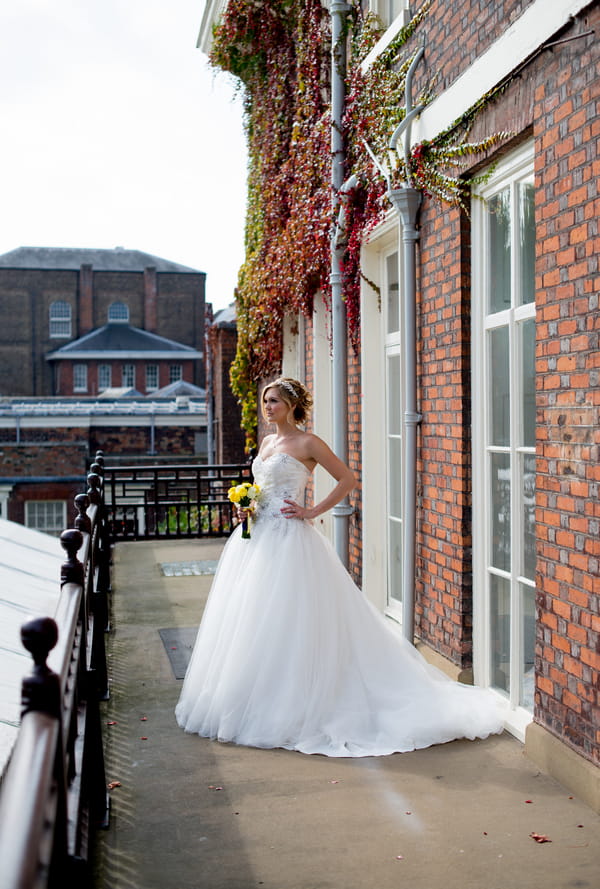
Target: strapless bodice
(281, 477)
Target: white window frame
(118, 313)
(60, 319)
(394, 474)
(37, 516)
(511, 171)
(384, 239)
(151, 371)
(106, 371)
(128, 376)
(80, 378)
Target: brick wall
(229, 436)
(444, 565)
(567, 132)
(26, 296)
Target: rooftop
(118, 259)
(30, 582)
(115, 338)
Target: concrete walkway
(195, 814)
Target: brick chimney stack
(86, 299)
(150, 299)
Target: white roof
(29, 587)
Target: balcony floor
(195, 814)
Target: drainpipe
(406, 201)
(338, 10)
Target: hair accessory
(287, 386)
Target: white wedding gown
(290, 653)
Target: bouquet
(244, 495)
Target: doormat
(185, 569)
(179, 643)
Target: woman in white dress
(290, 653)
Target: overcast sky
(115, 132)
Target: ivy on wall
(281, 53)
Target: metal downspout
(338, 10)
(407, 201)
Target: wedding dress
(290, 653)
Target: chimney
(86, 299)
(150, 298)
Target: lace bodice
(281, 477)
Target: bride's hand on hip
(293, 510)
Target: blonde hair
(294, 393)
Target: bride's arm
(322, 454)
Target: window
(504, 427)
(151, 377)
(118, 313)
(128, 376)
(49, 516)
(389, 10)
(60, 319)
(175, 373)
(104, 377)
(80, 378)
(394, 441)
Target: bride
(290, 653)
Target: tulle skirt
(290, 653)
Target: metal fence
(54, 795)
(170, 501)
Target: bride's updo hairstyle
(295, 394)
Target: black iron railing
(54, 792)
(170, 501)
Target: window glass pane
(80, 378)
(527, 242)
(48, 516)
(104, 376)
(500, 510)
(527, 330)
(118, 312)
(394, 412)
(60, 319)
(499, 251)
(175, 373)
(499, 386)
(528, 492)
(152, 376)
(395, 555)
(527, 645)
(500, 632)
(395, 477)
(128, 375)
(393, 293)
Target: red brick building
(61, 308)
(507, 541)
(226, 438)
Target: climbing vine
(281, 54)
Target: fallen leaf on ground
(540, 837)
(399, 857)
(143, 738)
(112, 722)
(143, 719)
(114, 784)
(528, 800)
